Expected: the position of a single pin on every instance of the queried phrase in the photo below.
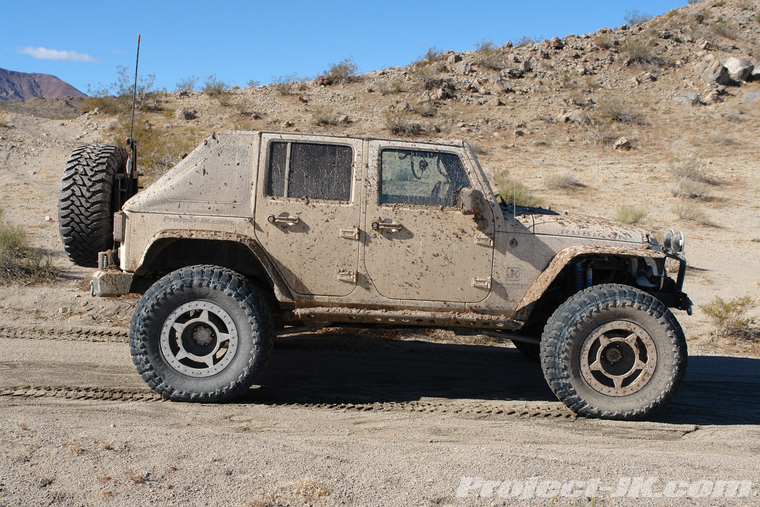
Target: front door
(420, 246)
(308, 209)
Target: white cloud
(54, 54)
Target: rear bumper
(111, 282)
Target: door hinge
(351, 233)
(483, 240)
(347, 276)
(482, 282)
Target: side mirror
(471, 201)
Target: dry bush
(603, 40)
(514, 191)
(389, 86)
(341, 72)
(324, 116)
(692, 212)
(689, 189)
(639, 50)
(526, 41)
(398, 123)
(724, 29)
(488, 56)
(731, 318)
(562, 181)
(692, 169)
(116, 98)
(631, 215)
(613, 109)
(426, 109)
(635, 17)
(20, 262)
(187, 84)
(287, 85)
(478, 148)
(600, 132)
(723, 139)
(5, 121)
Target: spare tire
(88, 200)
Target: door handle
(388, 226)
(283, 220)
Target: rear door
(420, 246)
(307, 211)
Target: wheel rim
(618, 358)
(199, 339)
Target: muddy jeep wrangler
(258, 234)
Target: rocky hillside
(23, 86)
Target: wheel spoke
(617, 381)
(596, 366)
(179, 328)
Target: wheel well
(586, 270)
(169, 254)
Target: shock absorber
(579, 278)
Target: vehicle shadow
(364, 368)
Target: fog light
(679, 242)
(667, 240)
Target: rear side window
(310, 170)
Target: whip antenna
(134, 93)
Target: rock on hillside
(23, 86)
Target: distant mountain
(23, 86)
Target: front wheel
(613, 351)
(201, 334)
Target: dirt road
(353, 418)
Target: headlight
(672, 242)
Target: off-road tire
(587, 314)
(86, 202)
(224, 290)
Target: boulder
(739, 68)
(556, 43)
(714, 72)
(463, 68)
(454, 58)
(688, 98)
(622, 144)
(186, 114)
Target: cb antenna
(134, 93)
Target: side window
(424, 178)
(315, 171)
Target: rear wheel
(87, 201)
(613, 351)
(201, 334)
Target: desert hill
(23, 86)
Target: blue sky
(83, 42)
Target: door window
(308, 170)
(425, 178)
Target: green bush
(18, 261)
(731, 318)
(341, 72)
(631, 215)
(514, 191)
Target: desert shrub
(157, 152)
(599, 131)
(389, 86)
(341, 72)
(324, 116)
(116, 98)
(616, 110)
(18, 261)
(187, 84)
(693, 1)
(514, 191)
(692, 169)
(4, 120)
(253, 83)
(632, 215)
(286, 85)
(635, 17)
(399, 123)
(639, 50)
(690, 211)
(562, 181)
(213, 87)
(603, 40)
(724, 29)
(488, 56)
(526, 41)
(428, 78)
(731, 317)
(689, 189)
